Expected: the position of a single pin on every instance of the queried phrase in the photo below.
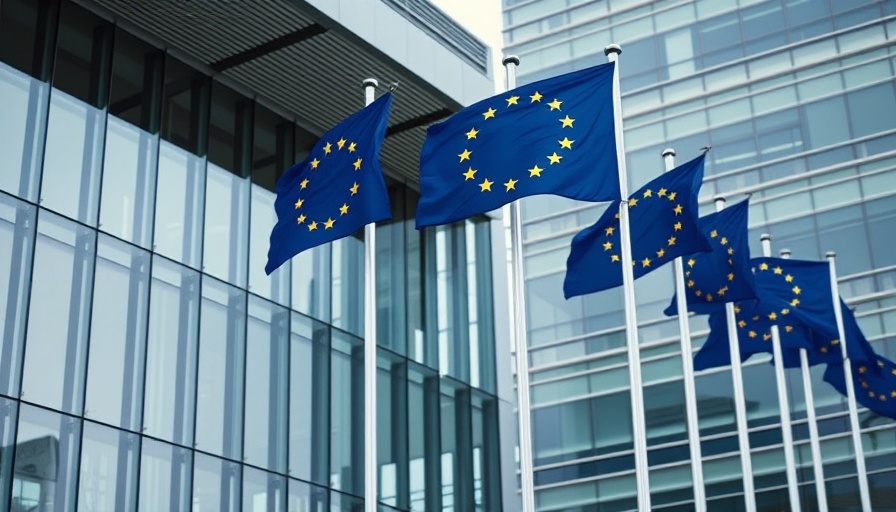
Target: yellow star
(314, 163)
(614, 257)
(772, 316)
(785, 311)
(312, 226)
(795, 302)
(731, 250)
(648, 193)
(465, 155)
(535, 97)
(566, 122)
(731, 276)
(788, 278)
(633, 202)
(751, 334)
(763, 266)
(660, 253)
(777, 271)
(329, 223)
(488, 114)
(766, 337)
(671, 241)
(671, 196)
(555, 158)
(796, 290)
(485, 185)
(472, 133)
(357, 164)
(535, 171)
(341, 142)
(469, 174)
(343, 209)
(741, 324)
(299, 203)
(709, 297)
(608, 245)
(724, 241)
(862, 370)
(677, 226)
(351, 147)
(327, 148)
(661, 192)
(510, 185)
(645, 262)
(304, 183)
(690, 283)
(721, 291)
(692, 262)
(713, 233)
(301, 219)
(555, 105)
(566, 143)
(609, 231)
(354, 188)
(677, 209)
(788, 328)
(512, 100)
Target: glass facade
(148, 363)
(797, 100)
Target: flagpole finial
(830, 255)
(765, 236)
(785, 253)
(370, 82)
(511, 59)
(668, 152)
(705, 148)
(612, 48)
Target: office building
(796, 99)
(147, 362)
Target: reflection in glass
(179, 205)
(309, 400)
(263, 491)
(17, 222)
(24, 102)
(58, 317)
(164, 477)
(171, 352)
(108, 479)
(261, 222)
(219, 385)
(216, 484)
(46, 464)
(226, 226)
(129, 173)
(118, 335)
(347, 413)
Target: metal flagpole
(687, 366)
(370, 459)
(850, 389)
(783, 403)
(740, 407)
(631, 320)
(818, 468)
(527, 486)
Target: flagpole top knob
(370, 82)
(668, 152)
(718, 198)
(785, 253)
(612, 48)
(830, 254)
(511, 59)
(765, 237)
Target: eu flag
(722, 275)
(555, 136)
(663, 226)
(336, 190)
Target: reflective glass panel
(216, 484)
(24, 102)
(46, 465)
(164, 476)
(263, 491)
(109, 459)
(226, 226)
(17, 223)
(179, 205)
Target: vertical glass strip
(17, 225)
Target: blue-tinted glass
(842, 231)
(346, 412)
(664, 411)
(118, 335)
(262, 220)
(760, 394)
(17, 223)
(8, 411)
(178, 230)
(58, 317)
(762, 20)
(303, 496)
(881, 218)
(171, 352)
(872, 110)
(309, 400)
(263, 491)
(799, 11)
(46, 465)
(108, 479)
(826, 121)
(347, 285)
(225, 251)
(24, 102)
(219, 382)
(129, 180)
(164, 477)
(715, 406)
(719, 32)
(216, 484)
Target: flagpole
(631, 320)
(740, 407)
(527, 470)
(850, 389)
(821, 493)
(687, 366)
(783, 403)
(370, 458)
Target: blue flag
(722, 275)
(336, 190)
(554, 136)
(663, 224)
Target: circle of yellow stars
(863, 382)
(610, 244)
(563, 145)
(316, 164)
(725, 246)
